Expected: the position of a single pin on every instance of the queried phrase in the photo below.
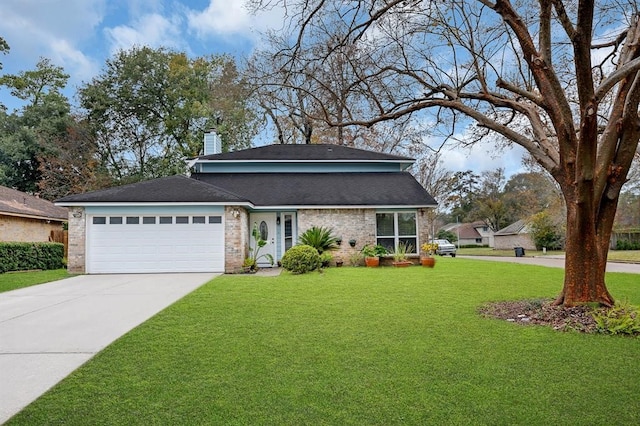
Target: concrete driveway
(49, 330)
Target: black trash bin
(519, 251)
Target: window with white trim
(393, 228)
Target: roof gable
(172, 189)
(17, 203)
(519, 227)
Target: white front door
(266, 223)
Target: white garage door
(150, 243)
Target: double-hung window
(394, 228)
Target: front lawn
(356, 346)
(15, 280)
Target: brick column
(76, 260)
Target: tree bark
(586, 258)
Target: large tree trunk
(586, 257)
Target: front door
(266, 223)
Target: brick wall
(348, 224)
(77, 233)
(26, 230)
(357, 224)
(508, 242)
(236, 228)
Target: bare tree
(305, 94)
(569, 70)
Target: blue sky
(79, 35)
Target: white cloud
(482, 157)
(149, 30)
(82, 66)
(220, 17)
(232, 18)
(54, 29)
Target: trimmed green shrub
(28, 256)
(300, 259)
(319, 238)
(627, 245)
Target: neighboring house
(25, 218)
(515, 235)
(469, 234)
(203, 223)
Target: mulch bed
(541, 312)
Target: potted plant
(428, 249)
(372, 254)
(400, 255)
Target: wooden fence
(60, 236)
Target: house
(477, 233)
(203, 222)
(515, 235)
(25, 218)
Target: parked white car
(445, 247)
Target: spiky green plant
(320, 238)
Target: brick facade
(77, 239)
(26, 230)
(236, 230)
(508, 242)
(356, 224)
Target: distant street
(556, 262)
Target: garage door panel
(149, 247)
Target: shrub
(300, 259)
(623, 318)
(27, 256)
(319, 238)
(447, 235)
(325, 259)
(545, 232)
(627, 245)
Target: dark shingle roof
(305, 152)
(323, 189)
(17, 203)
(175, 189)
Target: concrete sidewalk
(557, 262)
(49, 330)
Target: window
(393, 228)
(215, 219)
(149, 220)
(115, 220)
(164, 220)
(182, 219)
(99, 220)
(133, 220)
(198, 219)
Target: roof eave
(31, 216)
(149, 203)
(342, 206)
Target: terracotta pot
(402, 264)
(429, 262)
(372, 262)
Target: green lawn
(16, 280)
(356, 346)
